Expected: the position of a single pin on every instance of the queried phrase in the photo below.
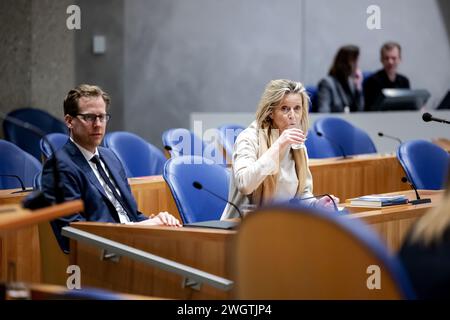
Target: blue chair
(425, 164)
(15, 161)
(341, 133)
(312, 93)
(180, 141)
(318, 147)
(139, 157)
(287, 251)
(197, 205)
(37, 181)
(26, 139)
(56, 139)
(227, 137)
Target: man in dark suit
(391, 56)
(90, 172)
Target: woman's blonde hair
(273, 94)
(431, 227)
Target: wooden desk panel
(354, 177)
(152, 195)
(345, 178)
(20, 257)
(393, 223)
(206, 249)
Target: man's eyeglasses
(91, 118)
(286, 109)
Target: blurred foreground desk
(19, 240)
(209, 250)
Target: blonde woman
(426, 251)
(270, 161)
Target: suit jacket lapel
(82, 163)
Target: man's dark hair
(83, 90)
(388, 46)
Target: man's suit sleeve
(71, 192)
(70, 186)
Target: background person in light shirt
(92, 173)
(265, 167)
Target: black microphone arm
(320, 134)
(418, 199)
(315, 197)
(22, 185)
(381, 134)
(427, 117)
(199, 186)
(59, 188)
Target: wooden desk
(152, 195)
(393, 223)
(20, 257)
(13, 216)
(345, 178)
(206, 249)
(12, 196)
(23, 246)
(357, 176)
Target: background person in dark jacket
(341, 90)
(390, 56)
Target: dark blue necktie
(95, 159)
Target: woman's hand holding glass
(292, 136)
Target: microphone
(294, 200)
(57, 184)
(22, 185)
(381, 134)
(320, 134)
(418, 199)
(199, 186)
(427, 117)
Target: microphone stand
(22, 185)
(381, 134)
(216, 224)
(418, 199)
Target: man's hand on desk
(162, 218)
